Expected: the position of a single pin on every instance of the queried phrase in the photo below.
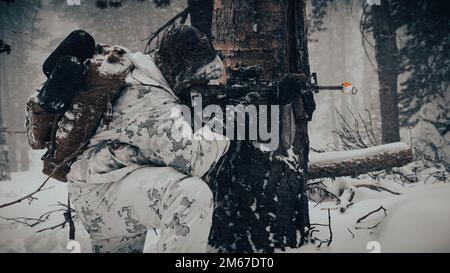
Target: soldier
(142, 167)
(138, 173)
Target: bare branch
(371, 227)
(329, 229)
(353, 235)
(62, 225)
(372, 212)
(183, 14)
(41, 187)
(10, 132)
(376, 188)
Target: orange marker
(348, 88)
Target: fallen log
(356, 162)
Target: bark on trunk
(4, 164)
(356, 165)
(201, 15)
(386, 54)
(260, 196)
(298, 57)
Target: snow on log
(355, 162)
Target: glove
(310, 104)
(289, 89)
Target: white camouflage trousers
(118, 201)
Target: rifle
(245, 86)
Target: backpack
(64, 126)
(63, 134)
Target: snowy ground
(418, 220)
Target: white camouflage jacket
(148, 129)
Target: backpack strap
(51, 147)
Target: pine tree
(4, 160)
(386, 54)
(18, 74)
(261, 200)
(422, 57)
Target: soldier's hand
(289, 88)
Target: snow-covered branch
(360, 161)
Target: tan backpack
(66, 135)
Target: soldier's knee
(198, 190)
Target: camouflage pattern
(117, 215)
(142, 171)
(149, 116)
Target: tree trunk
(17, 82)
(386, 54)
(201, 15)
(298, 57)
(260, 196)
(4, 164)
(356, 162)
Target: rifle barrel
(330, 87)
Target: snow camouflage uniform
(142, 171)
